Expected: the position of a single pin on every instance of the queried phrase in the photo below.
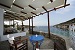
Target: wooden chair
(20, 44)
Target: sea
(53, 30)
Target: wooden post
(17, 25)
(48, 25)
(13, 23)
(29, 25)
(32, 25)
(22, 26)
(9, 22)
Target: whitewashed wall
(4, 37)
(72, 27)
(1, 22)
(72, 35)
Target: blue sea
(53, 30)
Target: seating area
(23, 42)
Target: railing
(59, 43)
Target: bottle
(36, 35)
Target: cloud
(68, 8)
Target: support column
(17, 25)
(22, 26)
(48, 25)
(13, 23)
(29, 25)
(32, 25)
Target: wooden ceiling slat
(23, 17)
(44, 8)
(32, 7)
(33, 13)
(4, 5)
(23, 12)
(10, 16)
(19, 17)
(18, 6)
(15, 15)
(8, 13)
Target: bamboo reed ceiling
(25, 9)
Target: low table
(36, 40)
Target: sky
(56, 17)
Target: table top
(34, 38)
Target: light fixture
(11, 6)
(33, 0)
(48, 2)
(4, 11)
(13, 1)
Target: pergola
(27, 9)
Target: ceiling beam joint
(65, 3)
(55, 9)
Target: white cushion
(11, 40)
(19, 45)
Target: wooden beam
(51, 0)
(33, 13)
(44, 8)
(29, 25)
(4, 5)
(54, 9)
(32, 25)
(18, 6)
(23, 12)
(32, 7)
(22, 26)
(23, 17)
(48, 25)
(14, 15)
(11, 17)
(13, 23)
